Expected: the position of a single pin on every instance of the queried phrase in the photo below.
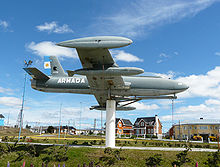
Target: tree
(50, 129)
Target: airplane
(102, 77)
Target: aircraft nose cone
(182, 86)
(62, 44)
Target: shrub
(5, 138)
(75, 142)
(213, 160)
(111, 156)
(86, 143)
(154, 136)
(181, 158)
(154, 160)
(94, 142)
(133, 137)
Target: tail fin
(55, 66)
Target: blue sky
(177, 39)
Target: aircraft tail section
(36, 74)
(56, 68)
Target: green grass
(85, 155)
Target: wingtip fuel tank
(111, 71)
(97, 42)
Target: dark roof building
(150, 126)
(126, 122)
(1, 120)
(147, 120)
(1, 116)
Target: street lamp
(26, 64)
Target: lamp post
(26, 64)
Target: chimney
(157, 124)
(201, 118)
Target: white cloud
(217, 53)
(194, 108)
(168, 75)
(141, 16)
(163, 57)
(208, 110)
(207, 85)
(10, 101)
(53, 27)
(212, 102)
(48, 48)
(120, 55)
(4, 24)
(142, 106)
(5, 90)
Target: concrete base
(110, 123)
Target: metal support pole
(110, 123)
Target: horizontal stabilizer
(36, 74)
(70, 73)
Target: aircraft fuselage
(135, 86)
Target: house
(206, 128)
(55, 129)
(65, 130)
(2, 120)
(148, 126)
(123, 127)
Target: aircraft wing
(100, 59)
(96, 58)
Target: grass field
(74, 156)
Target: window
(216, 127)
(142, 123)
(142, 131)
(152, 131)
(119, 124)
(120, 131)
(203, 127)
(185, 128)
(195, 127)
(210, 127)
(148, 130)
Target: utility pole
(94, 125)
(80, 116)
(172, 110)
(68, 131)
(60, 120)
(8, 118)
(101, 119)
(179, 130)
(22, 105)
